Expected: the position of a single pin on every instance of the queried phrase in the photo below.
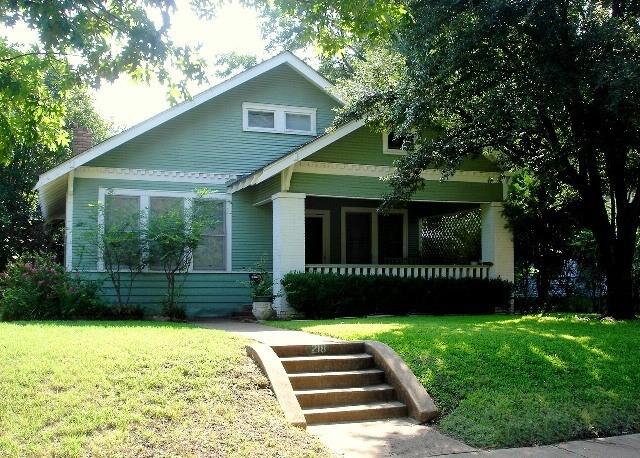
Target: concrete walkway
(402, 437)
(265, 334)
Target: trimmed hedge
(325, 295)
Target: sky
(125, 103)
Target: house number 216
(318, 349)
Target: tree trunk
(619, 273)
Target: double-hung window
(260, 117)
(133, 211)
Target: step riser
(327, 365)
(338, 348)
(336, 380)
(356, 415)
(310, 400)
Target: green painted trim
(375, 188)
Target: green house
(287, 189)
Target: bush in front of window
(328, 295)
(35, 287)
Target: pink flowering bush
(35, 287)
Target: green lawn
(512, 381)
(136, 389)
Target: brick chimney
(81, 139)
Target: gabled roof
(292, 157)
(283, 58)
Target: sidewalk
(402, 437)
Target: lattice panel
(453, 238)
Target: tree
(550, 85)
(540, 216)
(21, 226)
(109, 38)
(172, 235)
(84, 42)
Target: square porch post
(288, 242)
(497, 242)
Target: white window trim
(188, 197)
(279, 118)
(325, 215)
(387, 150)
(374, 231)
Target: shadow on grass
(516, 381)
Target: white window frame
(387, 150)
(325, 215)
(279, 118)
(188, 197)
(374, 231)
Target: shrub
(35, 287)
(320, 295)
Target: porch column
(497, 242)
(288, 242)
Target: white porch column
(497, 242)
(288, 242)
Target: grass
(514, 381)
(136, 389)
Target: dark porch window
(358, 238)
(313, 247)
(390, 238)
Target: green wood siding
(205, 295)
(209, 138)
(364, 146)
(374, 188)
(252, 231)
(266, 189)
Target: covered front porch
(426, 239)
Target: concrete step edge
(335, 373)
(349, 389)
(355, 407)
(327, 357)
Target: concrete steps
(356, 395)
(337, 382)
(371, 411)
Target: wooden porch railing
(392, 270)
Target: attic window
(260, 117)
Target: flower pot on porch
(261, 308)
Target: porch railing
(392, 270)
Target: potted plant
(261, 283)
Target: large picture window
(133, 210)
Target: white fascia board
(284, 58)
(297, 156)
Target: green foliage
(110, 38)
(262, 286)
(504, 381)
(171, 238)
(32, 92)
(21, 225)
(231, 63)
(319, 295)
(547, 85)
(35, 287)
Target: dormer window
(281, 119)
(392, 144)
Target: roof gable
(286, 58)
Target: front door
(358, 237)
